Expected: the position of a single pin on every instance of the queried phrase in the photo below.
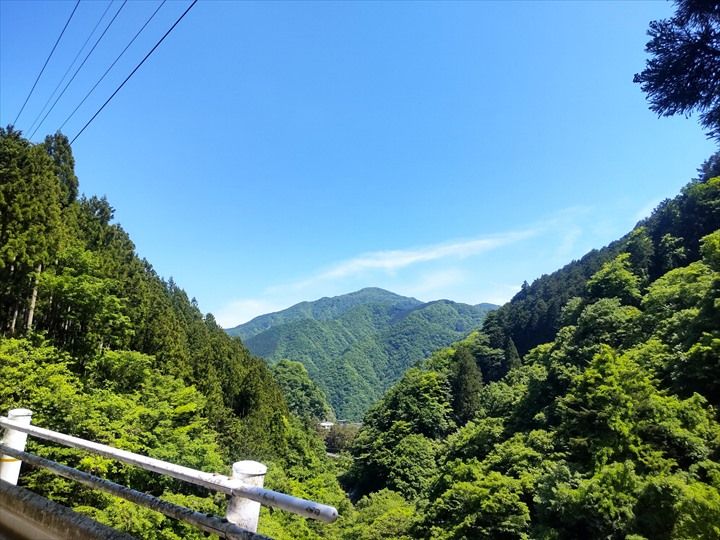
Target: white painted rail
(240, 487)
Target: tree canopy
(681, 76)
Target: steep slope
(609, 429)
(356, 345)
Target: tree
(30, 224)
(466, 382)
(305, 399)
(682, 74)
(384, 514)
(615, 279)
(58, 148)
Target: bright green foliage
(79, 308)
(698, 512)
(605, 322)
(381, 515)
(614, 412)
(36, 376)
(710, 246)
(475, 504)
(304, 397)
(640, 250)
(672, 252)
(615, 279)
(421, 400)
(476, 439)
(601, 506)
(395, 447)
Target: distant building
(326, 425)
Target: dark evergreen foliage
(682, 74)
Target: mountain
(356, 345)
(322, 310)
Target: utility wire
(46, 61)
(72, 64)
(111, 65)
(134, 70)
(79, 67)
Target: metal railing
(244, 486)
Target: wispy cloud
(431, 285)
(371, 267)
(569, 238)
(391, 261)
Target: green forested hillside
(322, 310)
(669, 237)
(609, 429)
(99, 346)
(356, 345)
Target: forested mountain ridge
(321, 310)
(670, 236)
(609, 429)
(356, 345)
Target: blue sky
(269, 153)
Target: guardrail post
(244, 512)
(10, 466)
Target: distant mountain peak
(355, 345)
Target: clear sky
(273, 152)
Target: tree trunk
(33, 298)
(14, 320)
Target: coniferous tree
(466, 383)
(682, 74)
(30, 224)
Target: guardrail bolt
(244, 512)
(10, 466)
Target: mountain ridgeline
(356, 345)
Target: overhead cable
(72, 64)
(80, 66)
(111, 65)
(134, 70)
(46, 61)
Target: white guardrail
(244, 486)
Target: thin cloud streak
(377, 267)
(388, 262)
(393, 260)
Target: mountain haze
(356, 345)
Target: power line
(111, 65)
(134, 70)
(62, 79)
(79, 67)
(46, 61)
